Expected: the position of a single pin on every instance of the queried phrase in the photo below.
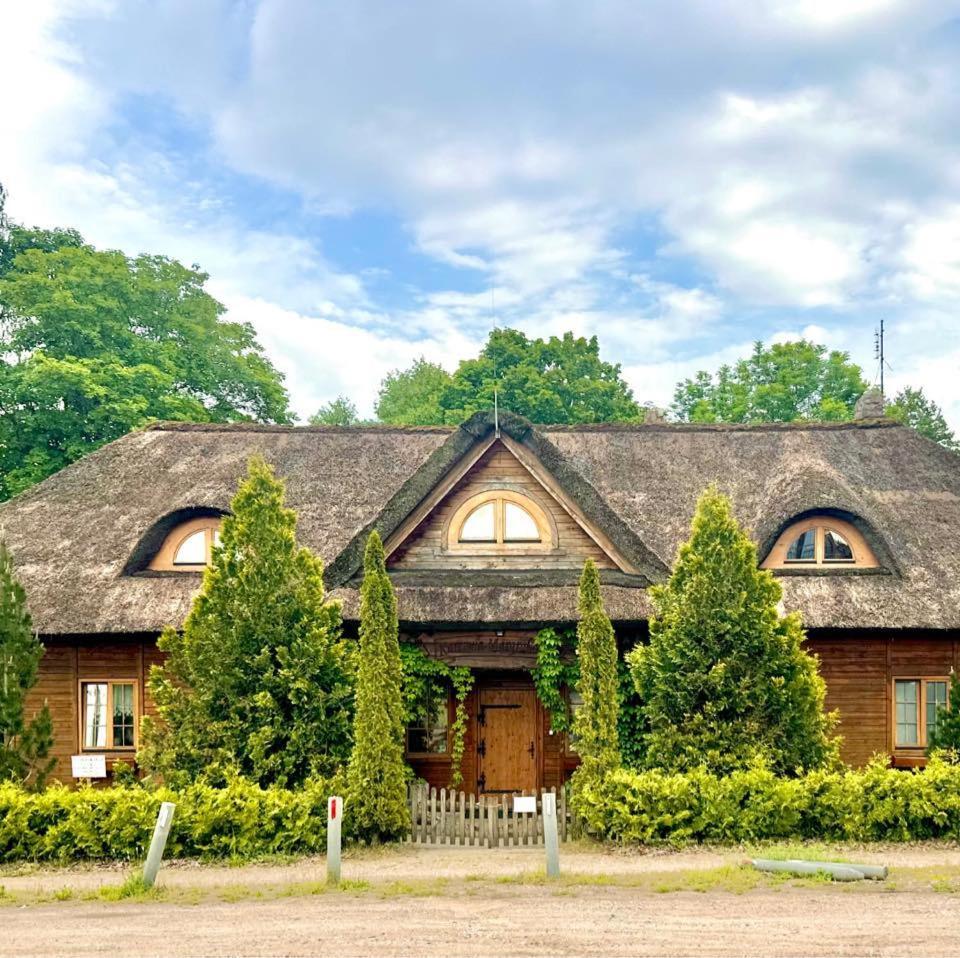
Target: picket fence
(448, 817)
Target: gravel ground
(502, 922)
(482, 915)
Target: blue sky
(367, 182)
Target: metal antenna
(878, 353)
(496, 414)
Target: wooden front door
(507, 741)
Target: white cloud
(788, 156)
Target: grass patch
(133, 887)
(807, 851)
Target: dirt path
(424, 862)
(501, 921)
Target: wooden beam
(404, 530)
(532, 464)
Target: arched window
(499, 520)
(821, 540)
(188, 547)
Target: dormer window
(820, 541)
(189, 546)
(499, 520)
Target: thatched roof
(80, 539)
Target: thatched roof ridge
(73, 536)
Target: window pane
(193, 549)
(936, 700)
(479, 525)
(907, 700)
(836, 548)
(518, 524)
(803, 547)
(216, 536)
(123, 714)
(95, 715)
(429, 735)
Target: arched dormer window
(188, 546)
(821, 540)
(500, 520)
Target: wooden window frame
(923, 743)
(434, 756)
(499, 545)
(163, 561)
(863, 556)
(82, 714)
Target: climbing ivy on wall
(426, 684)
(552, 674)
(557, 670)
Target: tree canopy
(914, 409)
(96, 343)
(784, 382)
(258, 683)
(724, 680)
(340, 412)
(411, 397)
(555, 380)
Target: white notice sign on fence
(525, 803)
(89, 766)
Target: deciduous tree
(258, 682)
(411, 397)
(914, 409)
(340, 412)
(555, 380)
(376, 775)
(724, 681)
(781, 383)
(96, 343)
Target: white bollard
(334, 817)
(550, 839)
(157, 844)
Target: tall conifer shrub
(376, 775)
(595, 724)
(24, 745)
(724, 680)
(258, 682)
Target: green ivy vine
(552, 674)
(558, 668)
(426, 684)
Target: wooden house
(487, 527)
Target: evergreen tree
(724, 680)
(947, 734)
(24, 746)
(595, 724)
(377, 775)
(258, 681)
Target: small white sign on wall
(89, 766)
(525, 803)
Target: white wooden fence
(448, 817)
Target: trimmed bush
(240, 820)
(871, 804)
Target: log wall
(858, 668)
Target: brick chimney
(869, 405)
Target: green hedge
(871, 804)
(241, 820)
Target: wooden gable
(498, 468)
